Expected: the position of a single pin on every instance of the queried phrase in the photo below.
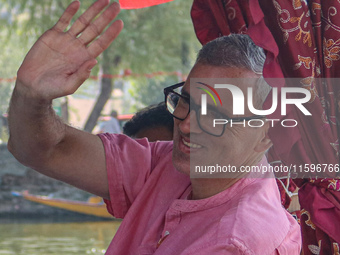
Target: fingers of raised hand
(86, 18)
(67, 16)
(99, 45)
(97, 27)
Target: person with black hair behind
(153, 122)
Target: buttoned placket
(172, 219)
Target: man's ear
(265, 143)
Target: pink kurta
(152, 197)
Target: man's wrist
(24, 94)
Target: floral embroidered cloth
(302, 40)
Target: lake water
(41, 238)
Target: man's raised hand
(60, 61)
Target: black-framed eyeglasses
(180, 105)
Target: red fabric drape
(136, 4)
(302, 41)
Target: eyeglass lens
(179, 107)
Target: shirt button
(166, 233)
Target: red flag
(136, 4)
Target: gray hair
(237, 50)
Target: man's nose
(189, 124)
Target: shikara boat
(93, 206)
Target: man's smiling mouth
(191, 145)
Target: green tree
(10, 59)
(159, 38)
(150, 91)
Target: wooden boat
(94, 206)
